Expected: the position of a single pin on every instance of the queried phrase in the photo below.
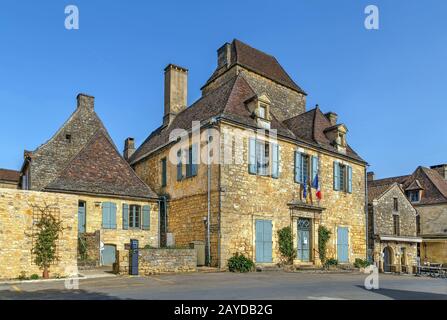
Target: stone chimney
(332, 117)
(441, 169)
(224, 55)
(86, 101)
(176, 92)
(129, 148)
(370, 176)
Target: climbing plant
(286, 244)
(48, 229)
(323, 237)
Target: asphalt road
(252, 286)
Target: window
(191, 165)
(263, 158)
(414, 196)
(396, 225)
(179, 165)
(301, 167)
(134, 216)
(109, 215)
(262, 112)
(395, 204)
(68, 138)
(163, 172)
(342, 177)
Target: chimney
(332, 117)
(441, 169)
(176, 92)
(129, 148)
(370, 176)
(224, 55)
(85, 101)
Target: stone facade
(433, 228)
(16, 232)
(382, 234)
(158, 261)
(119, 237)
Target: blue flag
(315, 182)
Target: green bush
(360, 263)
(34, 277)
(240, 263)
(331, 262)
(286, 244)
(323, 237)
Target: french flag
(316, 185)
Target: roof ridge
(435, 183)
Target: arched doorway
(387, 259)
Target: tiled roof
(228, 101)
(375, 191)
(9, 175)
(258, 62)
(415, 185)
(99, 169)
(310, 127)
(433, 185)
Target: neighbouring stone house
(392, 231)
(252, 112)
(9, 179)
(426, 189)
(113, 204)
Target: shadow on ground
(407, 295)
(54, 294)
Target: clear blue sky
(389, 86)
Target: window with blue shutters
(336, 176)
(192, 163)
(301, 167)
(134, 216)
(315, 168)
(146, 223)
(342, 177)
(263, 158)
(349, 179)
(109, 215)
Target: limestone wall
(433, 219)
(434, 251)
(156, 261)
(16, 232)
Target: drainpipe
(208, 221)
(366, 212)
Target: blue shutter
(298, 167)
(315, 165)
(252, 156)
(275, 161)
(259, 241)
(112, 216)
(336, 176)
(125, 216)
(349, 174)
(195, 161)
(268, 241)
(146, 218)
(106, 215)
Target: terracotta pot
(46, 274)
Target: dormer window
(414, 196)
(259, 107)
(262, 111)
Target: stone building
(9, 179)
(268, 157)
(392, 232)
(81, 159)
(426, 189)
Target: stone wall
(434, 251)
(8, 185)
(433, 219)
(400, 262)
(16, 232)
(157, 261)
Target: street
(231, 286)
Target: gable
(99, 169)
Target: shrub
(34, 277)
(286, 244)
(331, 262)
(148, 246)
(323, 237)
(22, 276)
(240, 263)
(360, 263)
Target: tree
(48, 231)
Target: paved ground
(264, 285)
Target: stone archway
(387, 259)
